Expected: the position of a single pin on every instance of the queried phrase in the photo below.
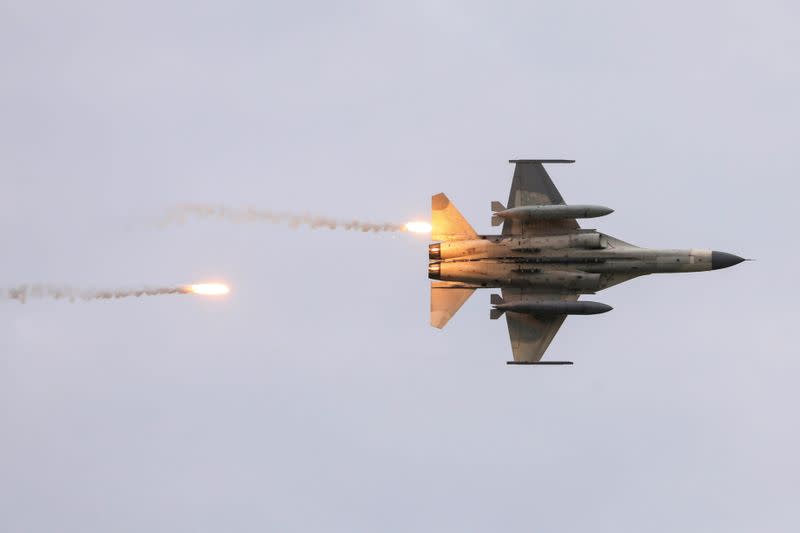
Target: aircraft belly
(500, 274)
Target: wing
(533, 186)
(530, 334)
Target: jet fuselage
(585, 261)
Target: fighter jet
(542, 262)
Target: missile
(547, 307)
(540, 212)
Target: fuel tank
(556, 307)
(539, 212)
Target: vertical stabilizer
(445, 303)
(448, 223)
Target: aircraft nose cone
(724, 260)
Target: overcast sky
(317, 397)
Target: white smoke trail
(239, 215)
(23, 293)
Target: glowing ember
(209, 289)
(418, 227)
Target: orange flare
(418, 226)
(209, 289)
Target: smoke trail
(23, 293)
(238, 215)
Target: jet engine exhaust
(23, 293)
(251, 215)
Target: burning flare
(23, 293)
(208, 289)
(418, 226)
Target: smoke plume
(250, 215)
(23, 293)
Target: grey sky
(316, 397)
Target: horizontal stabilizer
(445, 302)
(496, 299)
(494, 314)
(539, 363)
(448, 224)
(496, 220)
(497, 206)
